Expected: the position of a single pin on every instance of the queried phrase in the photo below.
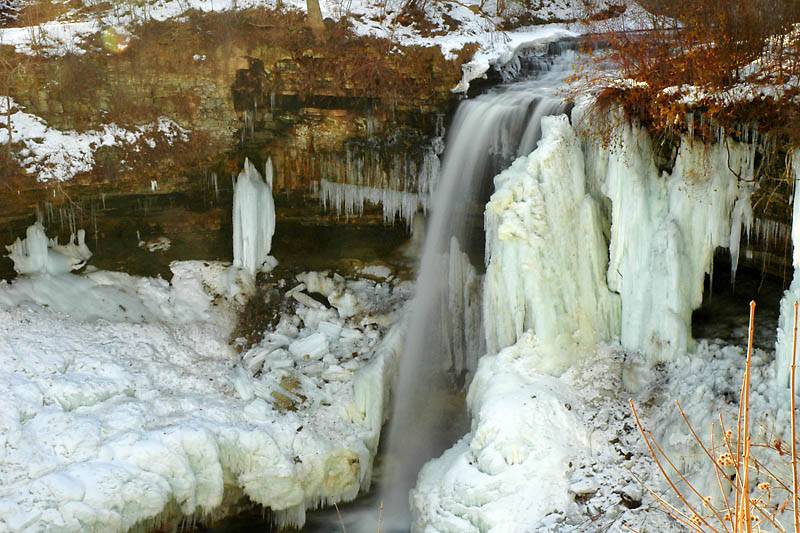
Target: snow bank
(547, 253)
(54, 38)
(36, 254)
(124, 399)
(52, 154)
(253, 219)
(525, 436)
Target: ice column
(547, 255)
(783, 345)
(253, 218)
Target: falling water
(487, 134)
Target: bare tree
(10, 69)
(314, 16)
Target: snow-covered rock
(57, 155)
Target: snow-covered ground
(52, 154)
(126, 401)
(563, 454)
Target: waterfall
(487, 134)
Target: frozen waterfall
(547, 254)
(444, 332)
(253, 218)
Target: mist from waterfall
(444, 337)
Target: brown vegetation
(734, 63)
(739, 508)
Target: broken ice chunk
(330, 329)
(346, 304)
(307, 300)
(312, 347)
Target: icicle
(350, 200)
(741, 216)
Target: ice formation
(665, 228)
(401, 186)
(253, 218)
(513, 468)
(783, 346)
(463, 339)
(36, 254)
(125, 401)
(553, 266)
(350, 201)
(547, 253)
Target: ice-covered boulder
(36, 254)
(253, 218)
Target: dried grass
(732, 462)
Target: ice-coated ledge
(124, 399)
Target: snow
(52, 154)
(547, 253)
(253, 219)
(125, 399)
(54, 38)
(562, 454)
(159, 244)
